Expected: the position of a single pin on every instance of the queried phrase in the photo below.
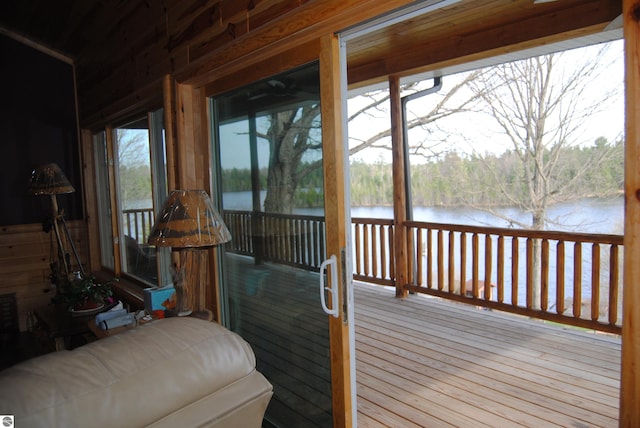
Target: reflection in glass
(269, 164)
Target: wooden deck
(425, 362)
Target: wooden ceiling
(459, 32)
(469, 30)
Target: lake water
(589, 215)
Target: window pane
(135, 200)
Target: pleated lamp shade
(188, 219)
(49, 180)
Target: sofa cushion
(131, 379)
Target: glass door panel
(270, 178)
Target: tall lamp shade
(188, 221)
(48, 179)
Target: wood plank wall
(153, 39)
(24, 263)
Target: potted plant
(84, 294)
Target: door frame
(337, 217)
(332, 67)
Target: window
(139, 169)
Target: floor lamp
(49, 180)
(187, 223)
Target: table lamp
(188, 221)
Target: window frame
(108, 199)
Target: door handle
(332, 262)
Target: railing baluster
(544, 275)
(463, 264)
(392, 252)
(383, 253)
(429, 258)
(613, 285)
(374, 252)
(451, 264)
(500, 269)
(358, 262)
(560, 268)
(515, 270)
(410, 256)
(530, 285)
(595, 282)
(419, 250)
(577, 279)
(488, 254)
(475, 262)
(366, 249)
(440, 256)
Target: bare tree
(291, 136)
(541, 107)
(433, 143)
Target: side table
(60, 326)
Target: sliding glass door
(270, 170)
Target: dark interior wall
(37, 126)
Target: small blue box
(159, 298)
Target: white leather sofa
(175, 372)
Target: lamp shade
(49, 180)
(188, 219)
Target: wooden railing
(373, 258)
(293, 240)
(138, 223)
(570, 278)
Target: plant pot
(89, 308)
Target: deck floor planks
(527, 371)
(499, 344)
(595, 352)
(476, 389)
(487, 350)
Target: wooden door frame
(326, 50)
(334, 146)
(630, 368)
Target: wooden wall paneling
(187, 20)
(170, 130)
(310, 21)
(91, 203)
(250, 71)
(236, 21)
(630, 376)
(185, 156)
(139, 101)
(115, 80)
(24, 264)
(111, 163)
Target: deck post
(630, 371)
(399, 195)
